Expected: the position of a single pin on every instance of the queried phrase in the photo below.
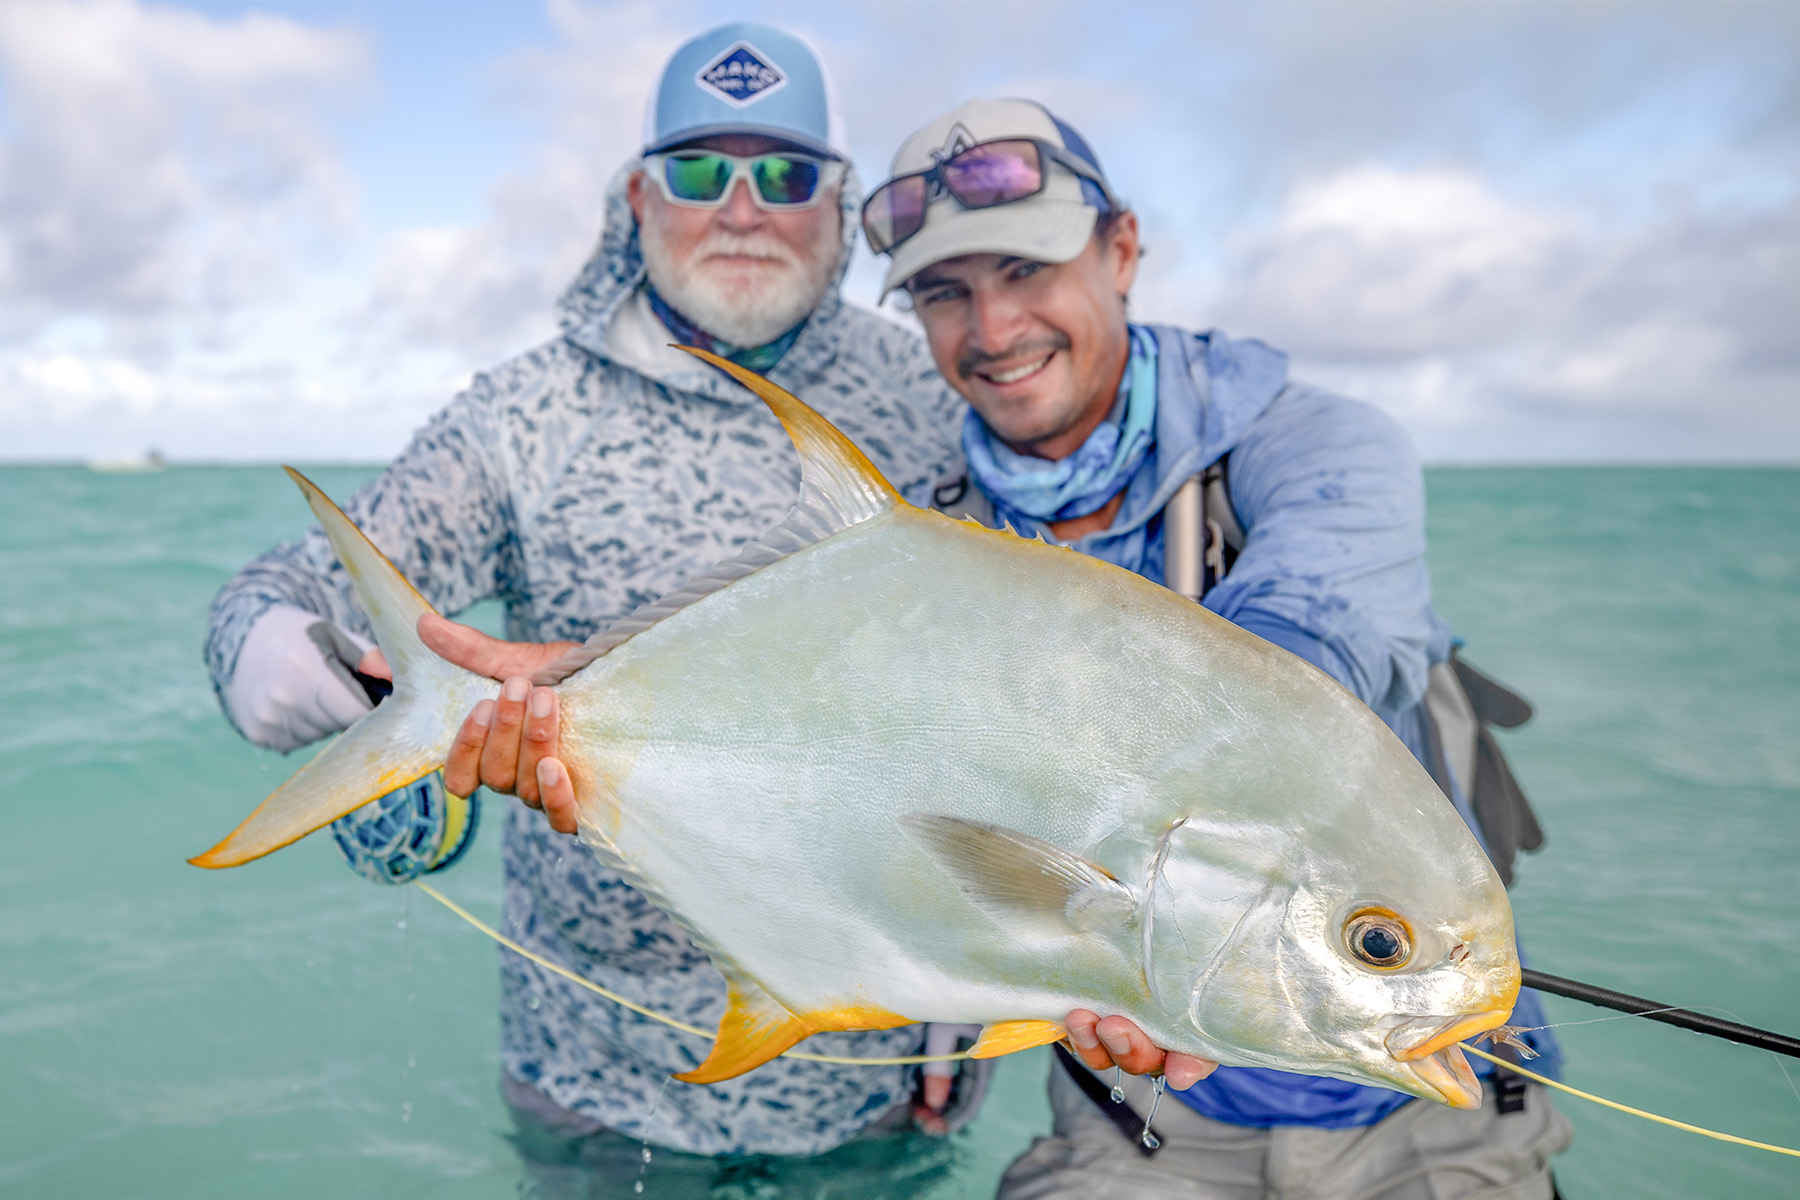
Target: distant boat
(149, 460)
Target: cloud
(161, 169)
(488, 287)
(1526, 230)
(1496, 328)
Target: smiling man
(1192, 459)
(574, 483)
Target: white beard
(744, 305)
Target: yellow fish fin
(355, 769)
(388, 748)
(832, 469)
(756, 1028)
(1006, 1037)
(855, 1016)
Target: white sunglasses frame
(831, 173)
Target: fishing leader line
(912, 1059)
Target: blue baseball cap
(745, 78)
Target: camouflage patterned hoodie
(574, 483)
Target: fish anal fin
(1007, 1037)
(1023, 881)
(756, 1028)
(855, 1017)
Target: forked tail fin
(407, 735)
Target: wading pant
(568, 1157)
(1423, 1151)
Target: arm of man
(1333, 567)
(438, 512)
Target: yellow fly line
(1626, 1108)
(911, 1059)
(904, 1060)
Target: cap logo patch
(955, 142)
(741, 75)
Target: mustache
(1039, 346)
(745, 245)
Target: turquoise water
(288, 1030)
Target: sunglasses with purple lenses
(983, 176)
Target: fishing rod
(1731, 1031)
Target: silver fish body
(889, 767)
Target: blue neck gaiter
(1021, 485)
(761, 359)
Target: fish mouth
(1429, 1045)
(1422, 1037)
(1448, 1074)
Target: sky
(1545, 232)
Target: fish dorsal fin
(1022, 882)
(756, 1028)
(1008, 1037)
(839, 487)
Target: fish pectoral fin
(1005, 1037)
(756, 1028)
(1015, 877)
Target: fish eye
(1378, 937)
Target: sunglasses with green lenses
(778, 182)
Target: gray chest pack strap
(1201, 534)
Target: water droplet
(412, 1060)
(400, 924)
(406, 1112)
(532, 1004)
(1118, 1087)
(638, 1187)
(646, 1154)
(1151, 1141)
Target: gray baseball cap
(1052, 225)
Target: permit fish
(887, 767)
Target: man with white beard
(575, 482)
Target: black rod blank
(1731, 1031)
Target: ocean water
(288, 1030)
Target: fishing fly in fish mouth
(795, 754)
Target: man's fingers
(539, 741)
(934, 1091)
(500, 757)
(1129, 1046)
(475, 651)
(1183, 1071)
(462, 769)
(1080, 1024)
(557, 794)
(1112, 1042)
